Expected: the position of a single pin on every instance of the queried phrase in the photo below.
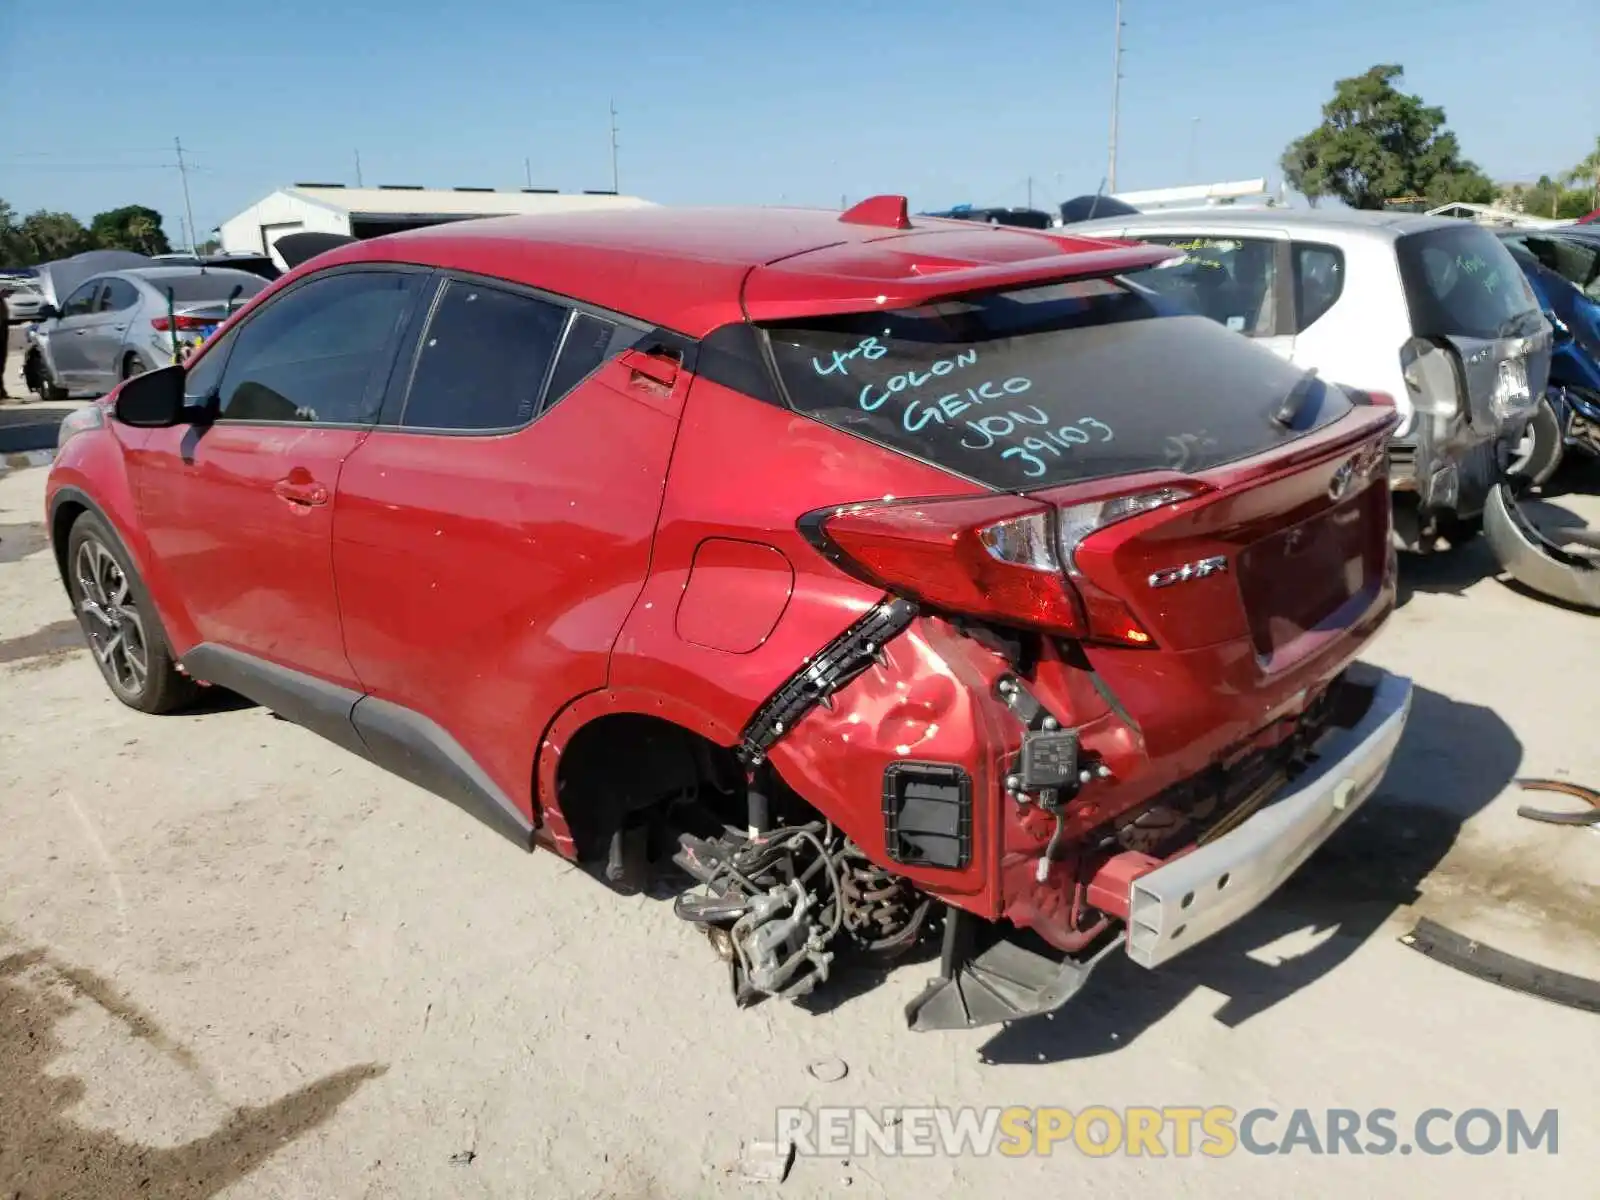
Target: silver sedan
(121, 323)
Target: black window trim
(397, 394)
(386, 355)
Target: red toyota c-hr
(866, 570)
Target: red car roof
(694, 269)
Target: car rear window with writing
(1047, 386)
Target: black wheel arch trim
(398, 739)
(58, 545)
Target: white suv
(1431, 310)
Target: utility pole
(615, 187)
(1030, 191)
(1194, 150)
(183, 174)
(358, 168)
(1116, 100)
(527, 170)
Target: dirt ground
(236, 962)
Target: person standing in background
(5, 344)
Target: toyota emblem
(1340, 483)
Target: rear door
(492, 534)
(69, 347)
(105, 331)
(1242, 281)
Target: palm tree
(1587, 173)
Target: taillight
(184, 323)
(1006, 558)
(1433, 378)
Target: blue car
(1563, 267)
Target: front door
(240, 510)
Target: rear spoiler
(907, 268)
(297, 248)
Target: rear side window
(204, 286)
(482, 361)
(119, 294)
(1048, 385)
(590, 342)
(1461, 282)
(310, 354)
(1231, 280)
(1318, 281)
(1577, 262)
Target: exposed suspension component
(775, 905)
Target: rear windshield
(1461, 282)
(1049, 385)
(212, 285)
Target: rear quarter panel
(743, 471)
(1357, 342)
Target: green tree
(51, 235)
(13, 253)
(1586, 176)
(1377, 143)
(132, 227)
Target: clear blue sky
(753, 102)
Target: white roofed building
(365, 212)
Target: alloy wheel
(110, 618)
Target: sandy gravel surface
(235, 961)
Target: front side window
(204, 376)
(81, 302)
(1577, 262)
(482, 361)
(1046, 386)
(311, 354)
(1232, 280)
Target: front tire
(37, 377)
(120, 623)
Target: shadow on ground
(31, 426)
(1453, 761)
(45, 1154)
(1578, 475)
(1452, 572)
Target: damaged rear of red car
(870, 572)
(1065, 592)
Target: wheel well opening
(61, 522)
(625, 768)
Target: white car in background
(1432, 311)
(24, 300)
